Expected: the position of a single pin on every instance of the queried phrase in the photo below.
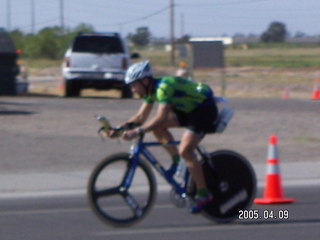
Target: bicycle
(127, 178)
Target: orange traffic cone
(316, 90)
(273, 192)
(60, 83)
(285, 94)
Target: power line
(139, 19)
(222, 3)
(39, 24)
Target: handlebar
(106, 126)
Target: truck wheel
(126, 92)
(72, 89)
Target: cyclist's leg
(189, 142)
(164, 135)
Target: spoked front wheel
(111, 201)
(231, 179)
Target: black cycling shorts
(201, 120)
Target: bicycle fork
(126, 184)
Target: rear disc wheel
(231, 180)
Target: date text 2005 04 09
(255, 214)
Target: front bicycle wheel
(232, 181)
(113, 203)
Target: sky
(197, 18)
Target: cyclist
(182, 102)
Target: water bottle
(181, 169)
(224, 118)
(104, 122)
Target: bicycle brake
(100, 134)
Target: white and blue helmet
(138, 71)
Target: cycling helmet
(138, 71)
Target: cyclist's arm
(142, 114)
(140, 117)
(161, 116)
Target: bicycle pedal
(177, 200)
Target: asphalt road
(70, 218)
(53, 133)
(43, 136)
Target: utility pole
(182, 25)
(172, 57)
(8, 15)
(62, 16)
(32, 17)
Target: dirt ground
(248, 82)
(260, 81)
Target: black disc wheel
(111, 201)
(231, 179)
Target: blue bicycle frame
(141, 147)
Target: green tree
(84, 28)
(17, 37)
(49, 42)
(141, 37)
(276, 32)
(30, 47)
(184, 39)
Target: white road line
(66, 210)
(213, 227)
(43, 211)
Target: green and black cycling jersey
(183, 94)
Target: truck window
(97, 44)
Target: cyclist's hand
(131, 134)
(112, 134)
